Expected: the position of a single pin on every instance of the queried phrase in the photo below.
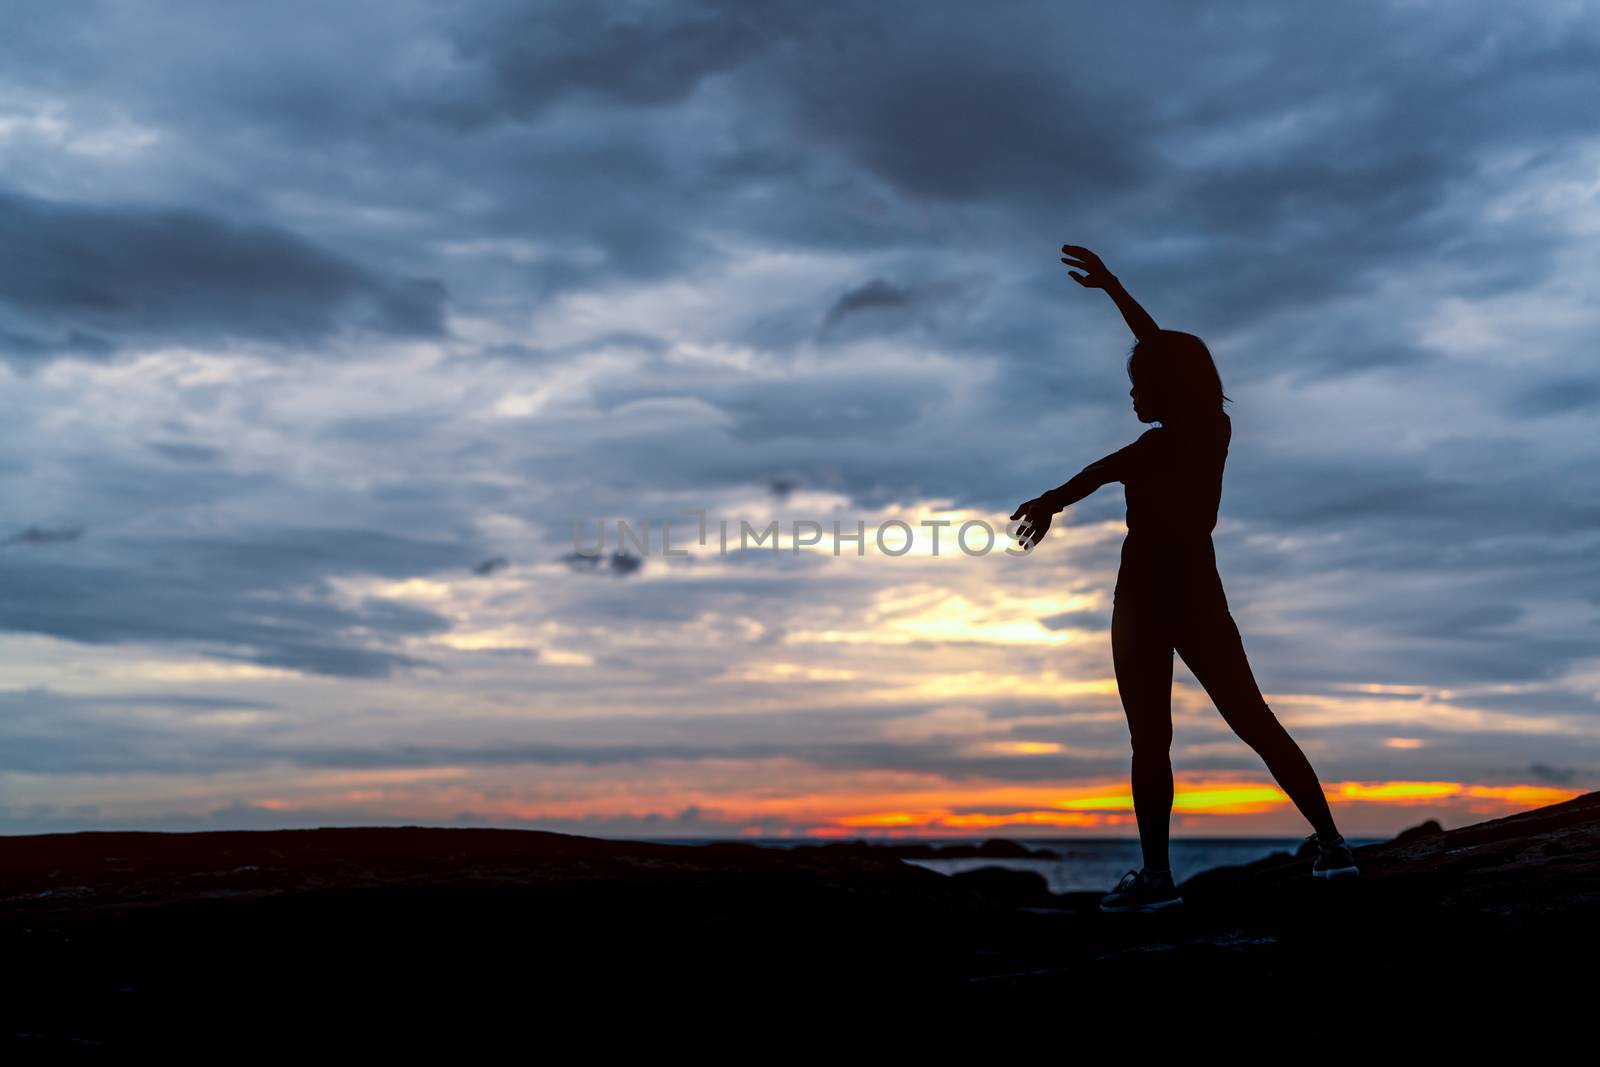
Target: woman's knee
(1152, 738)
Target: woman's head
(1174, 378)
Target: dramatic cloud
(323, 328)
(89, 278)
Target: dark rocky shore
(119, 939)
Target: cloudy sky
(322, 328)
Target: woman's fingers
(1035, 522)
(1091, 269)
(1084, 260)
(1033, 530)
(1094, 274)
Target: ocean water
(1086, 864)
(1096, 865)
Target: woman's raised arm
(1096, 276)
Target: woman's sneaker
(1333, 858)
(1142, 891)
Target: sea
(1085, 864)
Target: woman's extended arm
(1096, 276)
(1086, 481)
(1037, 513)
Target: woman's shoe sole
(1143, 907)
(1338, 872)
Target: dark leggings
(1177, 605)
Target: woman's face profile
(1145, 408)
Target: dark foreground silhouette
(379, 936)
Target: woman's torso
(1173, 492)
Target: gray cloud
(241, 599)
(185, 452)
(124, 274)
(1555, 397)
(635, 54)
(616, 562)
(38, 535)
(879, 304)
(1554, 775)
(1068, 620)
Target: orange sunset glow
(1200, 806)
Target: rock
(1006, 886)
(1427, 829)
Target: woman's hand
(1036, 515)
(1095, 275)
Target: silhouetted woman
(1169, 595)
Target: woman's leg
(1209, 642)
(1141, 651)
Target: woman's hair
(1177, 367)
